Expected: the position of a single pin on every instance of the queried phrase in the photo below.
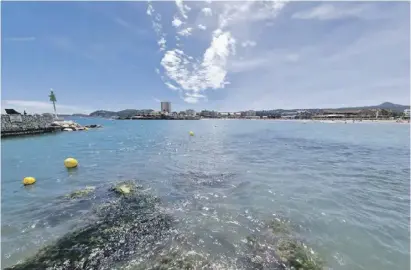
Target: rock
(176, 259)
(280, 227)
(125, 188)
(297, 255)
(129, 227)
(275, 247)
(93, 126)
(81, 193)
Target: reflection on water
(343, 188)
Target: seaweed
(296, 255)
(278, 248)
(81, 193)
(175, 259)
(125, 226)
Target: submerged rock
(280, 227)
(296, 255)
(175, 260)
(277, 248)
(128, 226)
(129, 230)
(81, 193)
(125, 188)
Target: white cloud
(249, 11)
(150, 9)
(207, 11)
(193, 98)
(31, 106)
(194, 75)
(171, 86)
(248, 43)
(20, 39)
(182, 8)
(185, 32)
(162, 43)
(158, 28)
(210, 73)
(176, 22)
(328, 12)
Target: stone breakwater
(13, 125)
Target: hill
(102, 113)
(122, 114)
(385, 105)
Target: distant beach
(348, 121)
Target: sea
(345, 188)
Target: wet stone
(81, 193)
(124, 228)
(125, 188)
(276, 247)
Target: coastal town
(14, 123)
(385, 111)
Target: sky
(225, 56)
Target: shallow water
(344, 186)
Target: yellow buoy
(70, 163)
(191, 133)
(29, 181)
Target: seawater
(345, 186)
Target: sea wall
(16, 124)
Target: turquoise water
(345, 186)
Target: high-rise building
(166, 106)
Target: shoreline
(348, 121)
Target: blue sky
(226, 56)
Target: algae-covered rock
(297, 255)
(280, 227)
(277, 247)
(130, 226)
(175, 260)
(125, 188)
(81, 193)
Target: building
(248, 113)
(407, 113)
(289, 115)
(166, 107)
(190, 113)
(209, 114)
